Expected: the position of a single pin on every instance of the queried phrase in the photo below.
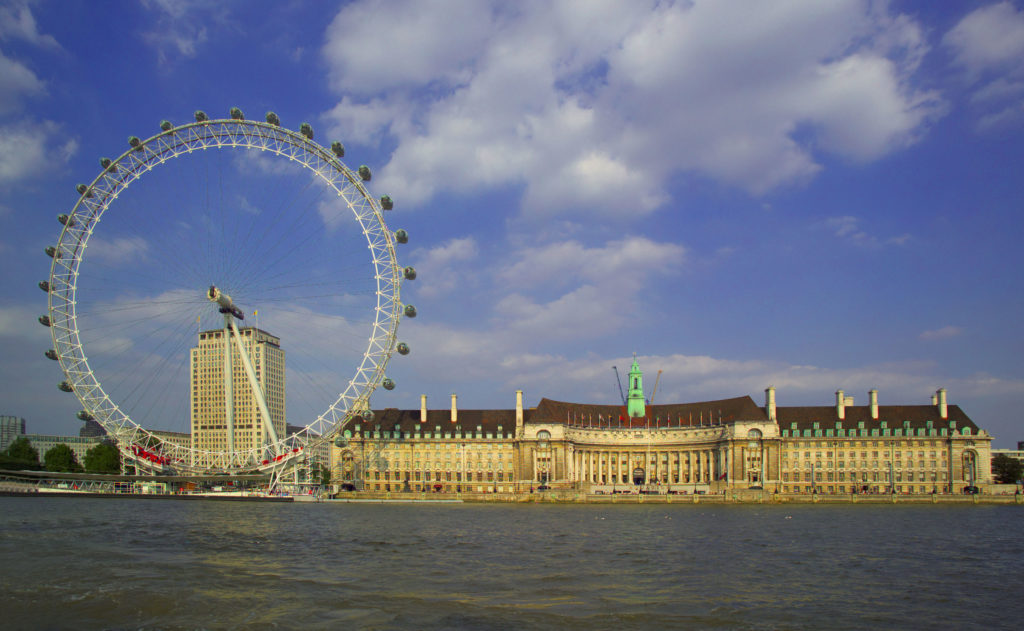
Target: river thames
(84, 563)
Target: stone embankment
(730, 497)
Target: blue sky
(815, 196)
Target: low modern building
(703, 447)
(80, 445)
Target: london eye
(243, 240)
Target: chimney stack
(519, 410)
(769, 402)
(840, 404)
(423, 408)
(941, 397)
(873, 401)
(455, 411)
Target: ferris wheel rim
(145, 155)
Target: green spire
(635, 406)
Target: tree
(1006, 469)
(20, 454)
(103, 458)
(322, 474)
(61, 458)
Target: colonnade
(675, 466)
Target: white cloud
(26, 147)
(16, 83)
(988, 37)
(591, 107)
(988, 44)
(848, 228)
(942, 333)
(17, 22)
(21, 322)
(181, 26)
(444, 266)
(563, 263)
(117, 251)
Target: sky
(807, 195)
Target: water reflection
(77, 563)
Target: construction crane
(622, 395)
(655, 391)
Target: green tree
(322, 474)
(20, 454)
(61, 458)
(1006, 469)
(103, 458)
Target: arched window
(543, 436)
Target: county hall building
(704, 447)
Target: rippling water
(102, 563)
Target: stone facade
(704, 447)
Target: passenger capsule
(409, 273)
(340, 442)
(166, 125)
(44, 285)
(386, 203)
(273, 119)
(201, 116)
(84, 416)
(364, 172)
(65, 386)
(338, 149)
(51, 354)
(367, 415)
(403, 348)
(84, 190)
(44, 320)
(237, 114)
(107, 164)
(410, 311)
(51, 251)
(306, 130)
(135, 142)
(63, 219)
(401, 236)
(388, 384)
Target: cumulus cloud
(988, 45)
(562, 263)
(592, 107)
(117, 251)
(988, 37)
(26, 148)
(445, 265)
(17, 82)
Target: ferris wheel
(167, 298)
